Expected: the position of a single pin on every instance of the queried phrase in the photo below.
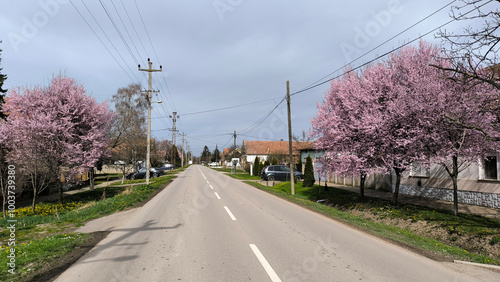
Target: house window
(490, 168)
(419, 170)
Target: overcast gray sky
(214, 53)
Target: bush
(256, 167)
(308, 173)
(247, 167)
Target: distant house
(277, 149)
(227, 155)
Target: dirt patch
(50, 271)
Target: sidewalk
(432, 203)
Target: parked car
(167, 167)
(279, 172)
(153, 172)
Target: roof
(269, 147)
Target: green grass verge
(33, 255)
(41, 237)
(240, 174)
(341, 201)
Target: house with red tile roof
(263, 149)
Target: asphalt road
(206, 226)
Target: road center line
(217, 195)
(211, 187)
(202, 173)
(270, 271)
(208, 182)
(230, 213)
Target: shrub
(247, 167)
(256, 167)
(308, 173)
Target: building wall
(251, 158)
(435, 183)
(472, 187)
(115, 169)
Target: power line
(147, 33)
(100, 40)
(315, 84)
(261, 120)
(119, 32)
(383, 43)
(126, 29)
(156, 56)
(270, 139)
(385, 54)
(227, 108)
(133, 26)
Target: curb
(489, 266)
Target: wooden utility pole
(148, 152)
(292, 177)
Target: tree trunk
(362, 185)
(60, 184)
(33, 204)
(123, 173)
(396, 189)
(454, 178)
(4, 200)
(91, 179)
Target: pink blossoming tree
(54, 127)
(395, 114)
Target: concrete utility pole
(234, 150)
(148, 153)
(174, 118)
(182, 149)
(292, 177)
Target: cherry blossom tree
(54, 127)
(434, 98)
(342, 130)
(395, 113)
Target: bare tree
(474, 52)
(129, 128)
(303, 137)
(475, 48)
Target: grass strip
(303, 198)
(37, 245)
(34, 255)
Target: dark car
(165, 168)
(153, 172)
(279, 172)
